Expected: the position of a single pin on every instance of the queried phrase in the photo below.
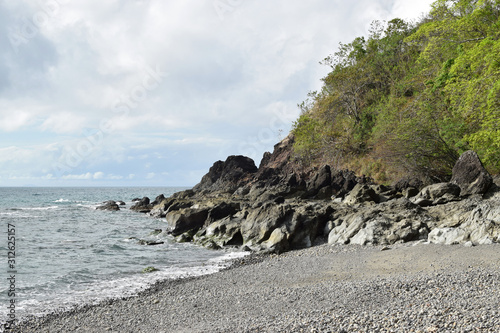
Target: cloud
(95, 86)
(85, 176)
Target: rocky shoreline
(407, 287)
(281, 206)
(398, 273)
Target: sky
(153, 92)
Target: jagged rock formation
(281, 206)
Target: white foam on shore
(93, 293)
(40, 208)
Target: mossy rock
(156, 232)
(149, 269)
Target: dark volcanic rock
(343, 181)
(283, 205)
(142, 206)
(321, 179)
(470, 174)
(361, 193)
(109, 205)
(227, 176)
(158, 200)
(408, 182)
(186, 219)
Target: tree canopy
(409, 98)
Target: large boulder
(227, 176)
(109, 205)
(142, 206)
(470, 175)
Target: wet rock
(149, 242)
(108, 205)
(160, 209)
(142, 206)
(182, 220)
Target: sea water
(58, 251)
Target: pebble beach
(409, 287)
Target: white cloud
(85, 176)
(179, 80)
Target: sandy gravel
(407, 288)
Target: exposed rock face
(386, 223)
(437, 194)
(361, 193)
(281, 206)
(186, 219)
(472, 220)
(470, 174)
(227, 176)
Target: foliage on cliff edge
(410, 97)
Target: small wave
(18, 215)
(93, 206)
(62, 200)
(44, 208)
(36, 208)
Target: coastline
(408, 287)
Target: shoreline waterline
(69, 253)
(408, 287)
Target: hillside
(409, 98)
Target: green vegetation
(411, 97)
(149, 269)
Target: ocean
(59, 251)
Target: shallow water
(68, 253)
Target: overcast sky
(152, 92)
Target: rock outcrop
(470, 175)
(281, 206)
(227, 176)
(109, 205)
(142, 206)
